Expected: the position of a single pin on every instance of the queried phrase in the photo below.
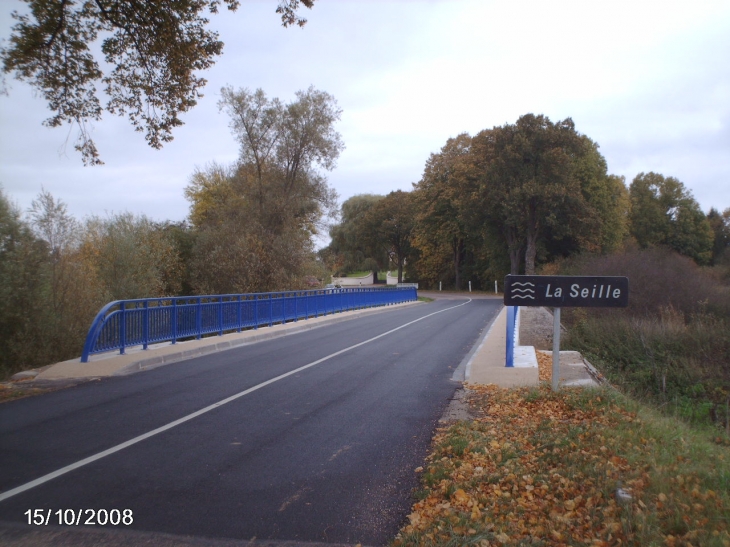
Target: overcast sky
(648, 81)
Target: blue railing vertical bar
(511, 323)
(126, 323)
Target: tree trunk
(530, 253)
(531, 248)
(400, 271)
(458, 246)
(514, 261)
(514, 247)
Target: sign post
(560, 291)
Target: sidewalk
(487, 365)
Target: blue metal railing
(126, 323)
(511, 325)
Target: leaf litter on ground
(581, 466)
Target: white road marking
(140, 438)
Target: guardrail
(125, 323)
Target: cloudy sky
(649, 81)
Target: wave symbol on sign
(525, 290)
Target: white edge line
(140, 438)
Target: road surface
(310, 437)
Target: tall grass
(681, 364)
(672, 345)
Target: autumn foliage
(580, 467)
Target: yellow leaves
(460, 497)
(556, 535)
(502, 538)
(536, 470)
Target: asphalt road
(324, 453)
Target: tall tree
(441, 196)
(256, 220)
(284, 151)
(131, 257)
(720, 224)
(663, 212)
(349, 249)
(22, 260)
(156, 49)
(387, 228)
(544, 181)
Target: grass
(678, 362)
(580, 467)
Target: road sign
(564, 291)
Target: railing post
(220, 317)
(199, 319)
(306, 304)
(511, 313)
(122, 327)
(239, 318)
(271, 310)
(174, 320)
(255, 312)
(146, 325)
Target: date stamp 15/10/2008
(80, 517)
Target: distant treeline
(512, 198)
(517, 198)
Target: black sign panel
(563, 291)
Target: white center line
(140, 438)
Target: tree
(349, 250)
(441, 197)
(663, 212)
(542, 184)
(22, 258)
(255, 220)
(387, 228)
(131, 257)
(720, 224)
(156, 49)
(284, 149)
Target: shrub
(672, 344)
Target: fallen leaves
(545, 468)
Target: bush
(672, 344)
(659, 278)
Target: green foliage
(544, 187)
(154, 51)
(663, 212)
(22, 261)
(349, 250)
(386, 229)
(255, 221)
(56, 273)
(672, 345)
(720, 224)
(131, 257)
(442, 197)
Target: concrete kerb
(137, 359)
